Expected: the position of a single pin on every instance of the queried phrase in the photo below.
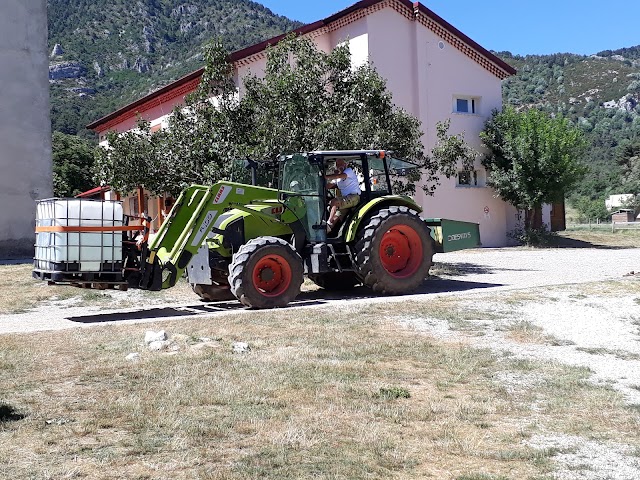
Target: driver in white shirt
(345, 181)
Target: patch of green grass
(481, 476)
(392, 393)
(94, 297)
(602, 236)
(523, 365)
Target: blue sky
(520, 26)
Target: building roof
(421, 13)
(93, 191)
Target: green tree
(628, 158)
(589, 209)
(134, 158)
(532, 159)
(73, 160)
(307, 100)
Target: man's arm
(336, 176)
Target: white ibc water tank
(63, 245)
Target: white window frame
(473, 105)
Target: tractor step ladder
(337, 255)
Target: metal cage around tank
(80, 240)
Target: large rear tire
(394, 251)
(266, 272)
(335, 281)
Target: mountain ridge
(108, 53)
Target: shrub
(532, 237)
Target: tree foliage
(598, 94)
(72, 165)
(307, 100)
(628, 158)
(127, 49)
(590, 210)
(532, 159)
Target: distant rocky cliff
(105, 54)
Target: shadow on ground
(433, 285)
(9, 414)
(564, 242)
(456, 269)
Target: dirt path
(468, 272)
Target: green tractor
(256, 243)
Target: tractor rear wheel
(394, 251)
(335, 281)
(266, 272)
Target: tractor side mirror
(253, 165)
(248, 163)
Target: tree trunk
(533, 219)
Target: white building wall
(25, 126)
(424, 74)
(355, 35)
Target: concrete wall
(25, 127)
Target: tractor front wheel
(394, 251)
(266, 272)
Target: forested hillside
(600, 93)
(106, 53)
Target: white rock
(57, 50)
(133, 357)
(240, 347)
(152, 336)
(62, 70)
(158, 345)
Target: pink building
(433, 70)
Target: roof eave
(476, 46)
(303, 30)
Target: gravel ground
(599, 330)
(596, 329)
(523, 268)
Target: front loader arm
(188, 224)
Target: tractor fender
(372, 206)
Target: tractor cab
(302, 179)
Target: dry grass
(311, 400)
(19, 292)
(600, 237)
(523, 331)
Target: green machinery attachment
(452, 235)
